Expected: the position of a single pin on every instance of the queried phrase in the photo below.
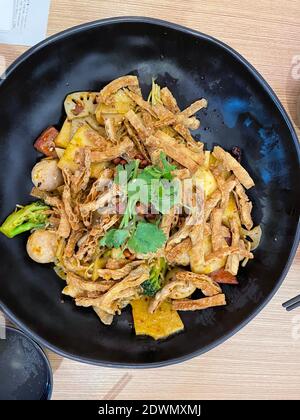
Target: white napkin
(23, 22)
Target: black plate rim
(265, 86)
(41, 351)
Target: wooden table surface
(263, 359)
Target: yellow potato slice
(162, 323)
(121, 105)
(80, 139)
(206, 178)
(64, 136)
(97, 168)
(230, 210)
(213, 265)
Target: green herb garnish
(146, 238)
(114, 238)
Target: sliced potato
(206, 178)
(121, 104)
(81, 138)
(213, 265)
(230, 210)
(64, 136)
(59, 152)
(162, 323)
(97, 168)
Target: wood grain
(262, 360)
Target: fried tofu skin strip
(199, 304)
(192, 123)
(137, 142)
(233, 261)
(179, 254)
(78, 287)
(112, 152)
(211, 203)
(179, 152)
(244, 206)
(194, 107)
(167, 221)
(137, 124)
(226, 187)
(165, 117)
(169, 101)
(101, 202)
(217, 237)
(64, 228)
(118, 274)
(225, 251)
(140, 102)
(166, 292)
(115, 85)
(79, 180)
(72, 217)
(185, 133)
(110, 129)
(231, 164)
(127, 288)
(200, 281)
(185, 279)
(72, 242)
(105, 318)
(197, 231)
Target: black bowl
(242, 111)
(25, 369)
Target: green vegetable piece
(156, 279)
(127, 173)
(147, 238)
(114, 238)
(164, 195)
(28, 217)
(168, 168)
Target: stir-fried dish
(131, 209)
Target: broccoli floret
(28, 217)
(157, 274)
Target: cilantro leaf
(146, 186)
(130, 211)
(151, 172)
(114, 238)
(165, 195)
(168, 168)
(128, 172)
(155, 172)
(146, 238)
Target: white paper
(23, 22)
(6, 15)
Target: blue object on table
(25, 370)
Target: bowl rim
(41, 351)
(265, 86)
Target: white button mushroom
(42, 246)
(46, 175)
